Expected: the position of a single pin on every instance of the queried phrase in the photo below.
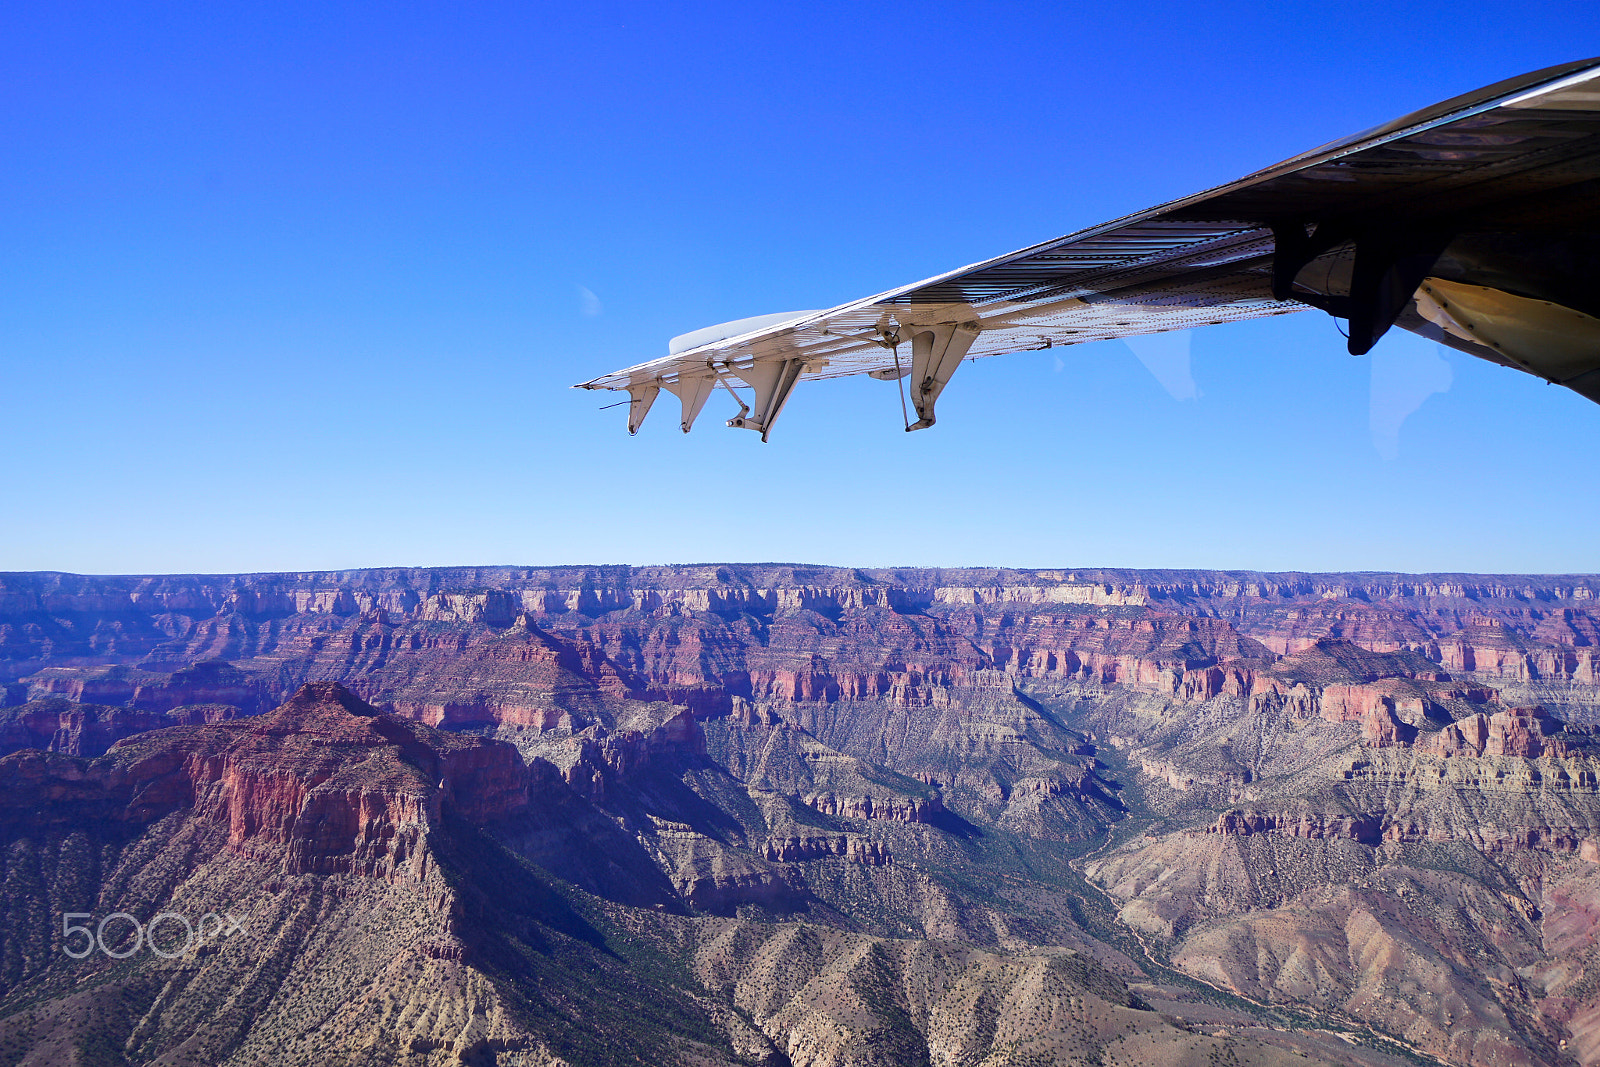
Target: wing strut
(900, 379)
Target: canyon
(783, 814)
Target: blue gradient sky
(305, 287)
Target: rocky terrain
(816, 816)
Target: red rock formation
(1514, 732)
(1354, 703)
(1294, 629)
(206, 682)
(55, 724)
(326, 783)
(1570, 627)
(1380, 726)
(1490, 646)
(1158, 652)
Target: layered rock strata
(1316, 761)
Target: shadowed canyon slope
(782, 814)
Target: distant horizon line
(1057, 571)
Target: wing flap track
(935, 355)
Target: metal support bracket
(772, 380)
(935, 355)
(641, 396)
(692, 394)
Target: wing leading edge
(1475, 222)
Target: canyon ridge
(799, 815)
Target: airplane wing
(1475, 222)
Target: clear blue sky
(303, 285)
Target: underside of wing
(1475, 222)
